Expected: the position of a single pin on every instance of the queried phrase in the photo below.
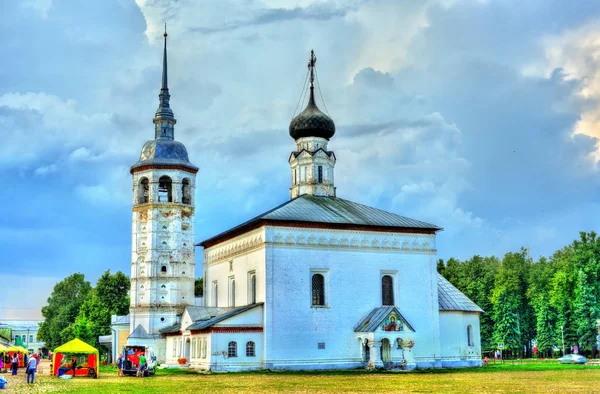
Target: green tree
(545, 333)
(506, 327)
(109, 297)
(63, 307)
(199, 287)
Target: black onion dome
(312, 122)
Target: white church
(318, 282)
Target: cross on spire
(311, 66)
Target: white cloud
(45, 170)
(577, 52)
(40, 6)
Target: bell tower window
(165, 192)
(143, 191)
(185, 192)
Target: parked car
(572, 359)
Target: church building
(318, 282)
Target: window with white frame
(388, 283)
(250, 349)
(193, 348)
(318, 283)
(232, 349)
(204, 348)
(387, 290)
(174, 347)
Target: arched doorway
(366, 351)
(386, 350)
(187, 349)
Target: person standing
(74, 364)
(142, 366)
(120, 365)
(31, 368)
(14, 363)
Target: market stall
(85, 357)
(19, 351)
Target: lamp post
(563, 338)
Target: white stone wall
(219, 346)
(352, 263)
(455, 350)
(162, 236)
(235, 259)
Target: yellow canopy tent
(16, 349)
(20, 351)
(87, 366)
(2, 348)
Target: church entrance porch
(386, 339)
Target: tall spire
(165, 86)
(311, 66)
(164, 120)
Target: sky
(480, 116)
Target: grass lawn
(523, 378)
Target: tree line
(531, 303)
(75, 309)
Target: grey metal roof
(105, 339)
(164, 152)
(220, 314)
(452, 299)
(171, 329)
(333, 210)
(141, 333)
(373, 320)
(337, 210)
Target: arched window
(143, 191)
(232, 349)
(470, 335)
(163, 269)
(250, 349)
(318, 289)
(253, 289)
(387, 290)
(165, 193)
(186, 196)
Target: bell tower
(162, 258)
